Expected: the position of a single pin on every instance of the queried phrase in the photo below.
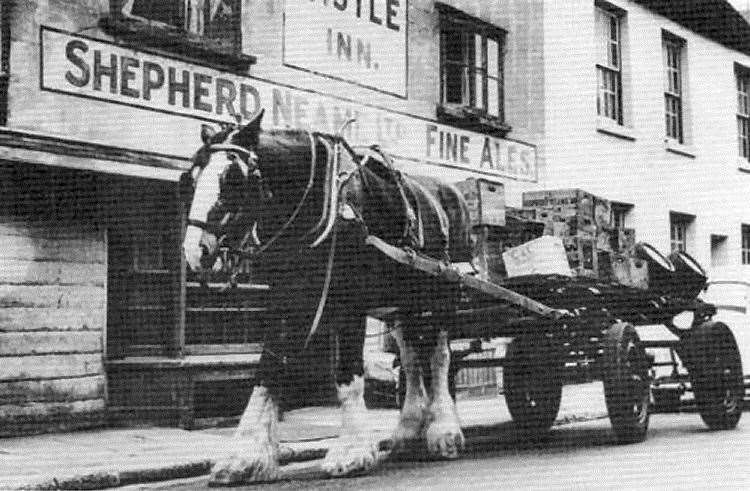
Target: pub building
(101, 106)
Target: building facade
(646, 104)
(102, 102)
(102, 105)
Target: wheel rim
(730, 401)
(637, 370)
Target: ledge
(207, 361)
(679, 148)
(172, 40)
(472, 119)
(608, 127)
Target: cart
(566, 328)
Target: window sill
(743, 164)
(678, 148)
(187, 45)
(609, 127)
(470, 119)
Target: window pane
(453, 88)
(166, 12)
(493, 97)
(453, 49)
(493, 58)
(479, 63)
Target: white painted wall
(642, 171)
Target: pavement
(108, 458)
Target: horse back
(439, 202)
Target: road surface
(680, 453)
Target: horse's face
(223, 175)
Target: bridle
(334, 179)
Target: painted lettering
(101, 70)
(486, 158)
(127, 75)
(245, 91)
(282, 108)
(149, 82)
(390, 13)
(225, 96)
(463, 151)
(200, 90)
(183, 87)
(70, 53)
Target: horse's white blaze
(207, 189)
(355, 449)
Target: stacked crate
(584, 223)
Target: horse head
(223, 181)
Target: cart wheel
(532, 382)
(626, 383)
(716, 375)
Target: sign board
(93, 69)
(360, 41)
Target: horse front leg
(407, 437)
(443, 429)
(254, 455)
(356, 448)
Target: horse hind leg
(254, 451)
(407, 436)
(443, 429)
(355, 451)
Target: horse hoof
(444, 441)
(352, 456)
(238, 470)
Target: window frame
(473, 33)
(673, 53)
(175, 39)
(679, 231)
(608, 68)
(742, 76)
(745, 243)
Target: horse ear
(248, 134)
(207, 132)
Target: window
(743, 111)
(214, 19)
(673, 83)
(679, 225)
(620, 212)
(471, 64)
(609, 65)
(745, 244)
(208, 29)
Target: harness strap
(326, 289)
(204, 226)
(413, 230)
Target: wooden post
(177, 348)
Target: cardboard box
(545, 255)
(486, 201)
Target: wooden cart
(565, 326)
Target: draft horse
(300, 205)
